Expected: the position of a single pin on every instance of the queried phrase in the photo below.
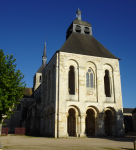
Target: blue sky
(25, 23)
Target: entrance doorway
(108, 122)
(71, 122)
(90, 122)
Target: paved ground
(12, 142)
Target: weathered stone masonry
(79, 89)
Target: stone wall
(85, 98)
(48, 97)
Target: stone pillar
(56, 125)
(78, 122)
(101, 124)
(67, 125)
(96, 125)
(120, 122)
(82, 123)
(76, 117)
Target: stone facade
(78, 94)
(64, 114)
(88, 98)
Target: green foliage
(11, 85)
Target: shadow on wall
(114, 122)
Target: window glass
(89, 79)
(71, 80)
(107, 83)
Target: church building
(78, 93)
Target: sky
(24, 24)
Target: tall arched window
(71, 80)
(107, 83)
(40, 79)
(89, 79)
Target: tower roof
(80, 22)
(85, 45)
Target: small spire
(44, 52)
(78, 14)
(44, 57)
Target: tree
(11, 85)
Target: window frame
(90, 86)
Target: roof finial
(44, 57)
(78, 14)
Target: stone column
(120, 122)
(67, 125)
(78, 122)
(82, 123)
(101, 125)
(96, 125)
(76, 117)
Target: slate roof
(86, 45)
(40, 69)
(128, 110)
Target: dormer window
(78, 28)
(86, 30)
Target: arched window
(71, 80)
(86, 30)
(40, 79)
(107, 83)
(89, 79)
(78, 28)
